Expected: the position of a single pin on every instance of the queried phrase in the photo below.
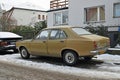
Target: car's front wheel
(24, 53)
(70, 58)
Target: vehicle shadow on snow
(93, 64)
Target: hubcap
(69, 57)
(24, 53)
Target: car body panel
(55, 47)
(38, 46)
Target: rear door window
(57, 34)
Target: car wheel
(24, 53)
(70, 58)
(87, 58)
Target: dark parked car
(8, 41)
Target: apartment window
(95, 14)
(65, 17)
(39, 17)
(61, 18)
(117, 10)
(43, 17)
(46, 17)
(102, 13)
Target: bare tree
(7, 23)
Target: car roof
(61, 27)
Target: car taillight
(95, 45)
(3, 44)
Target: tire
(87, 58)
(70, 58)
(24, 53)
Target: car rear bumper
(9, 47)
(100, 51)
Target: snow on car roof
(9, 35)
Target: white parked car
(8, 41)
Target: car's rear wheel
(70, 58)
(24, 53)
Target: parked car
(7, 41)
(70, 43)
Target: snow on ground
(109, 58)
(108, 71)
(110, 62)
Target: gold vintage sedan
(70, 43)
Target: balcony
(57, 4)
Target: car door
(56, 42)
(39, 44)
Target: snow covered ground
(109, 69)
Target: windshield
(80, 31)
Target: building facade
(86, 12)
(25, 17)
(95, 12)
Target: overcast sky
(41, 3)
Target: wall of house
(50, 19)
(27, 17)
(77, 14)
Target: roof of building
(26, 9)
(23, 9)
(57, 9)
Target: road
(13, 67)
(14, 72)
